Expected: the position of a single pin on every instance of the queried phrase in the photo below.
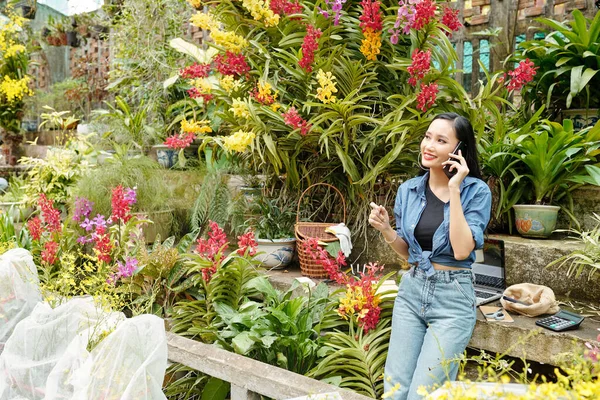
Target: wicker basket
(305, 230)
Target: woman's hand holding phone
(456, 167)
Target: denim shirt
(476, 200)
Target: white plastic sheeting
(129, 364)
(41, 340)
(19, 290)
(46, 357)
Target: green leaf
(202, 56)
(242, 343)
(215, 389)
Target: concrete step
(586, 202)
(526, 261)
(35, 150)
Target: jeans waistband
(441, 275)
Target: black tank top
(431, 219)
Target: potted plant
(154, 194)
(273, 223)
(552, 159)
(12, 201)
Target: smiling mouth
(428, 156)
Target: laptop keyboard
(489, 281)
(483, 295)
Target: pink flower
(83, 208)
(180, 140)
(521, 75)
(293, 119)
(450, 19)
(309, 47)
(126, 270)
(247, 243)
(421, 63)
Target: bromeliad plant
(213, 277)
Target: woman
(440, 222)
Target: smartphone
(460, 146)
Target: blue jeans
(433, 321)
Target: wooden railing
(248, 377)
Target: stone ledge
(526, 261)
(499, 337)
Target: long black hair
(464, 133)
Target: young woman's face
(440, 140)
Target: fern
(212, 202)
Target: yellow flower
(370, 44)
(195, 3)
(14, 50)
(275, 106)
(240, 109)
(327, 83)
(229, 40)
(203, 85)
(239, 141)
(195, 126)
(422, 391)
(229, 84)
(260, 10)
(204, 21)
(15, 89)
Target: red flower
(247, 242)
(371, 16)
(217, 241)
(309, 46)
(49, 252)
(232, 64)
(195, 93)
(293, 119)
(34, 226)
(424, 13)
(427, 96)
(180, 141)
(421, 63)
(450, 19)
(121, 201)
(521, 75)
(195, 71)
(284, 7)
(103, 247)
(50, 214)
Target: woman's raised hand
(379, 218)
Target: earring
(419, 163)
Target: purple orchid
(83, 208)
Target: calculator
(561, 321)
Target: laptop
(489, 272)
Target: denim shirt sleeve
(398, 213)
(477, 213)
